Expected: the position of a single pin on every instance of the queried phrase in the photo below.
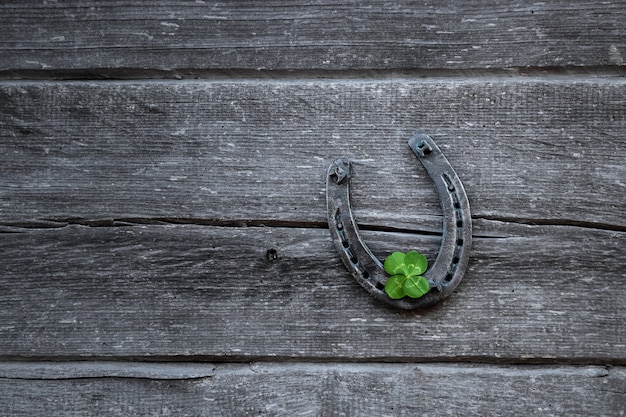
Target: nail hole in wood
(271, 255)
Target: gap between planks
(54, 223)
(130, 362)
(130, 74)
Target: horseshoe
(449, 267)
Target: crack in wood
(555, 222)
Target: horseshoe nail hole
(457, 205)
(338, 220)
(271, 255)
(455, 260)
(366, 275)
(459, 223)
(459, 242)
(354, 260)
(423, 148)
(345, 244)
(380, 286)
(448, 278)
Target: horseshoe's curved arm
(449, 267)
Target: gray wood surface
(163, 243)
(196, 36)
(311, 389)
(532, 293)
(550, 151)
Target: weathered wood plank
(549, 151)
(310, 35)
(549, 293)
(313, 389)
(58, 370)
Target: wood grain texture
(183, 222)
(535, 294)
(312, 389)
(544, 151)
(91, 35)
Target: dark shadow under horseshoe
(449, 267)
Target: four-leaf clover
(406, 275)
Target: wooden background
(163, 240)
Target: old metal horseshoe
(449, 267)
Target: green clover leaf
(394, 287)
(406, 275)
(417, 286)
